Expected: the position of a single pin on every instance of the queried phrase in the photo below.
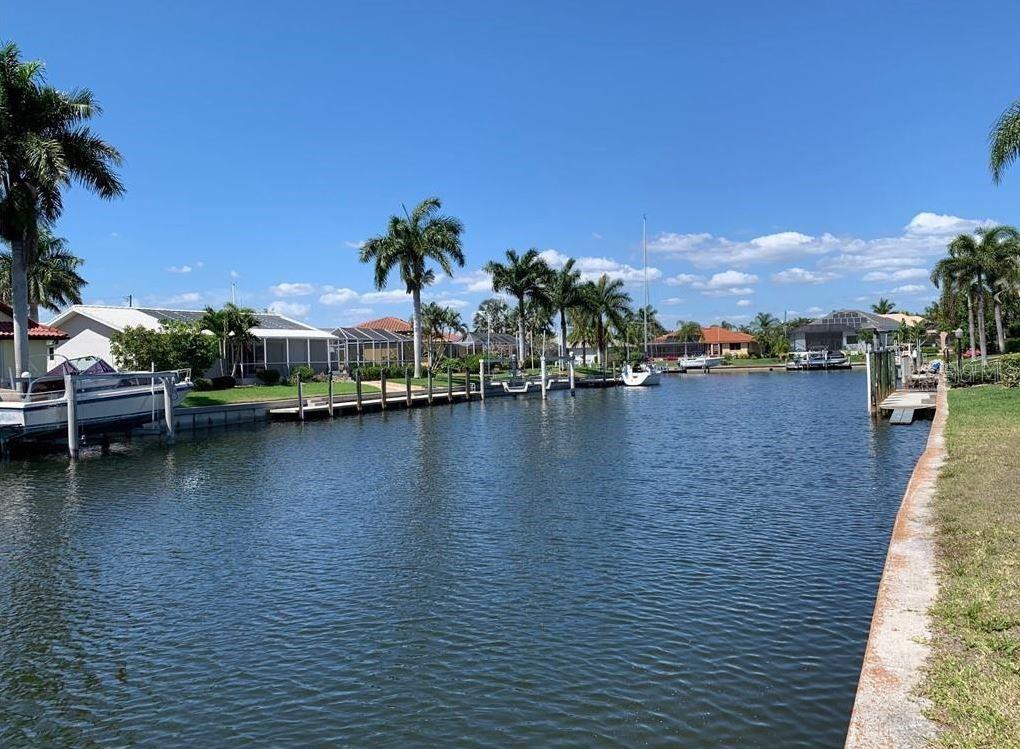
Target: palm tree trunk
(520, 332)
(970, 322)
(33, 311)
(563, 333)
(20, 252)
(1000, 335)
(981, 321)
(416, 328)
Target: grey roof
(370, 335)
(263, 319)
(848, 319)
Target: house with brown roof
(41, 340)
(389, 324)
(721, 341)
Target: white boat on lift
(101, 402)
(640, 375)
(699, 362)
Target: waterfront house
(280, 342)
(839, 330)
(42, 339)
(721, 341)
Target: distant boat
(640, 375)
(819, 359)
(700, 362)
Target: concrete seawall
(886, 711)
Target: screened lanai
(495, 345)
(371, 346)
(839, 330)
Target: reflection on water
(688, 565)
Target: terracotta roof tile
(392, 324)
(715, 334)
(35, 330)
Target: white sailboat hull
(641, 378)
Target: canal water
(690, 565)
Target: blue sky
(790, 156)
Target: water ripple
(690, 565)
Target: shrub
(1012, 346)
(302, 372)
(223, 383)
(1010, 364)
(268, 376)
(202, 383)
(175, 345)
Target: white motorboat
(107, 401)
(699, 362)
(641, 375)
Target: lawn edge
(887, 711)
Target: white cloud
(940, 224)
(673, 301)
(390, 296)
(354, 245)
(802, 275)
(200, 264)
(234, 274)
(476, 280)
(684, 279)
(814, 310)
(290, 309)
(924, 237)
(114, 234)
(744, 303)
(904, 274)
(292, 289)
(180, 269)
(593, 268)
(912, 288)
(596, 235)
(338, 296)
(729, 279)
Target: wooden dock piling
(382, 381)
(357, 388)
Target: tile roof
(35, 330)
(716, 334)
(392, 324)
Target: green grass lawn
(974, 676)
(256, 393)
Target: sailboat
(643, 374)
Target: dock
(903, 405)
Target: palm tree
(232, 327)
(409, 243)
(763, 328)
(564, 294)
(53, 279)
(1004, 141)
(655, 327)
(45, 146)
(883, 307)
(432, 320)
(609, 304)
(522, 277)
(953, 279)
(688, 331)
(1002, 271)
(973, 261)
(582, 327)
(493, 316)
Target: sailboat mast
(644, 252)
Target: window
(735, 346)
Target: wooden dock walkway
(903, 405)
